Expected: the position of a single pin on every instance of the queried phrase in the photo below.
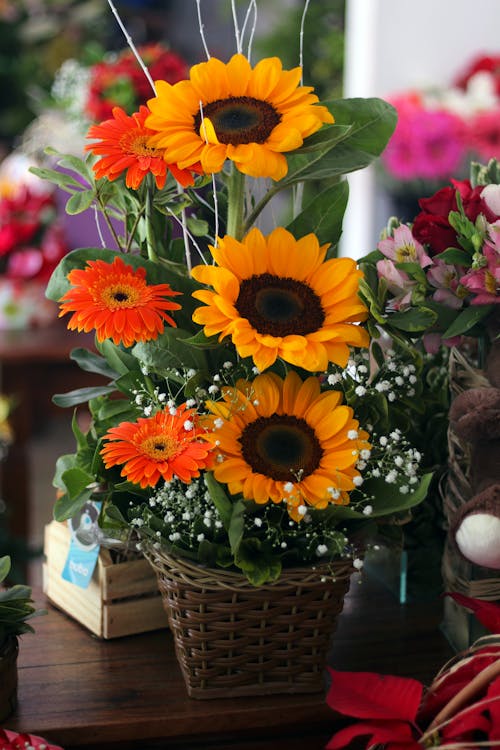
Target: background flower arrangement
(237, 432)
(441, 129)
(437, 278)
(32, 242)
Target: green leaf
(170, 351)
(197, 227)
(467, 319)
(91, 362)
(371, 121)
(201, 341)
(419, 319)
(80, 395)
(258, 564)
(454, 256)
(117, 358)
(66, 507)
(79, 202)
(61, 179)
(220, 499)
(4, 567)
(77, 481)
(323, 215)
(235, 530)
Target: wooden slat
(121, 599)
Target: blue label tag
(84, 548)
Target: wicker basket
(235, 639)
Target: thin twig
(301, 40)
(201, 28)
(237, 34)
(132, 46)
(251, 6)
(187, 233)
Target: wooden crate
(121, 598)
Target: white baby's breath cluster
(180, 515)
(396, 378)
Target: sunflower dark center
(279, 306)
(282, 447)
(240, 119)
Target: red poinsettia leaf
(366, 695)
(466, 724)
(493, 694)
(450, 683)
(488, 613)
(395, 735)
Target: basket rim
(164, 563)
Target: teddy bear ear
(476, 529)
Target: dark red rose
(431, 226)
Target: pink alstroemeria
(398, 283)
(402, 247)
(491, 196)
(446, 281)
(485, 282)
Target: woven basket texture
(234, 639)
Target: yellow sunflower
(233, 111)
(279, 297)
(286, 441)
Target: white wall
(390, 46)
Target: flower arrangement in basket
(245, 435)
(442, 128)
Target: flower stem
(149, 227)
(235, 203)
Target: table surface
(82, 692)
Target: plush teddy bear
(475, 419)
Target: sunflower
(159, 447)
(123, 144)
(286, 441)
(278, 297)
(115, 299)
(231, 111)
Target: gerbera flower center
(279, 306)
(160, 447)
(240, 119)
(138, 143)
(282, 447)
(120, 295)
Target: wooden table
(34, 364)
(83, 693)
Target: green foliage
(16, 606)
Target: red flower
(121, 82)
(483, 63)
(431, 226)
(14, 741)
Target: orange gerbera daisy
(233, 111)
(115, 299)
(286, 441)
(276, 296)
(124, 144)
(158, 447)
